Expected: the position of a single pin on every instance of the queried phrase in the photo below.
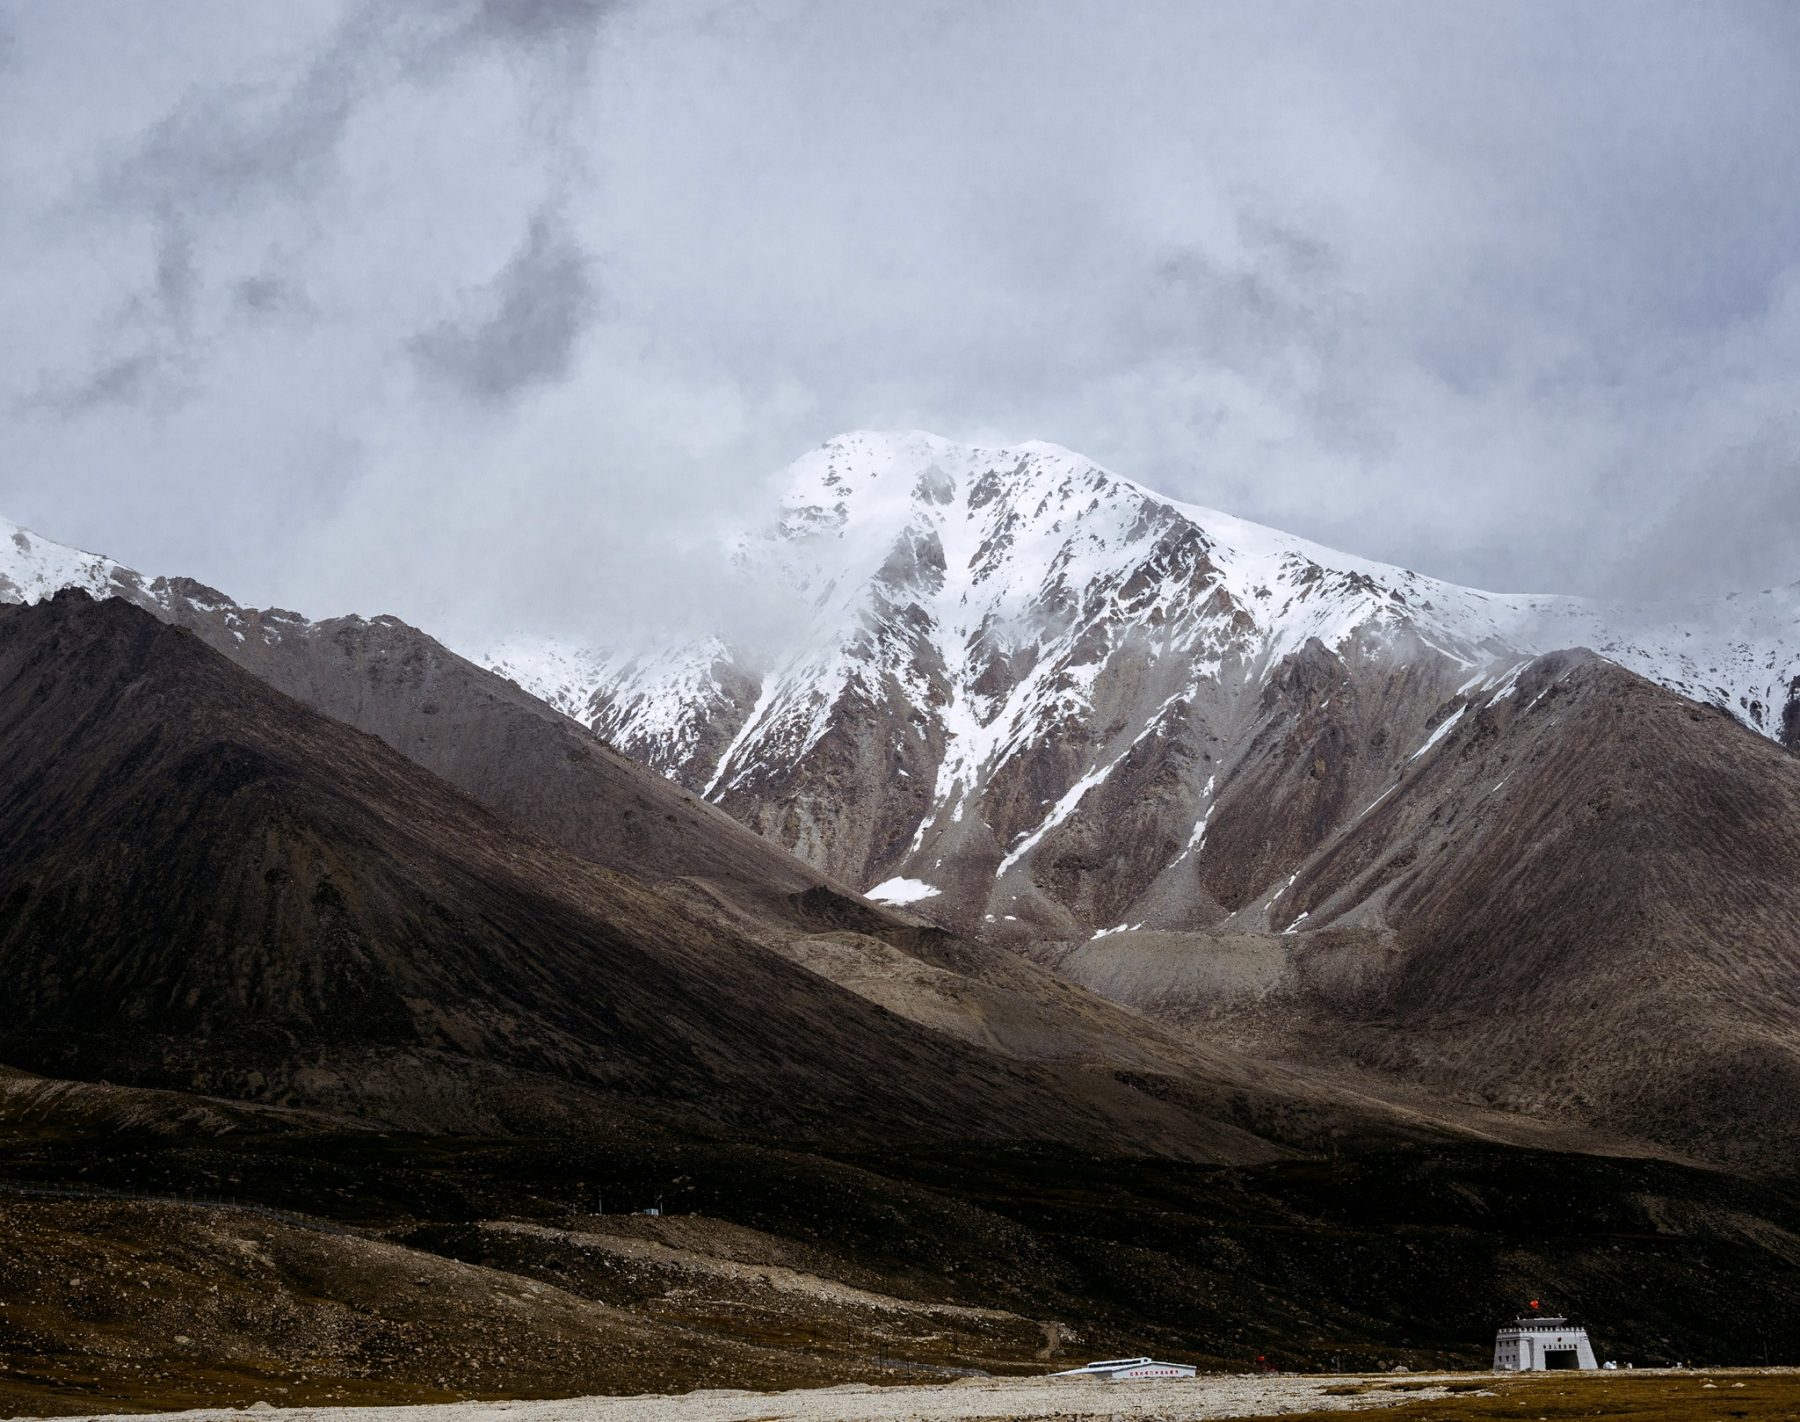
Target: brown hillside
(1584, 901)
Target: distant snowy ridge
(840, 523)
(33, 568)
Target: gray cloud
(266, 295)
(1735, 515)
(523, 326)
(226, 144)
(539, 22)
(232, 140)
(1509, 292)
(145, 347)
(177, 272)
(123, 380)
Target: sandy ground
(967, 1398)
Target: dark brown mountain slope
(477, 730)
(492, 740)
(1583, 899)
(206, 886)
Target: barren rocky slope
(1336, 812)
(1583, 899)
(1211, 771)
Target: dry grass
(1724, 1396)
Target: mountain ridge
(554, 670)
(1347, 963)
(480, 732)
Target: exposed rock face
(1047, 702)
(1427, 889)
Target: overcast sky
(490, 312)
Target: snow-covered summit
(33, 568)
(985, 543)
(993, 634)
(1013, 520)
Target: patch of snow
(1058, 813)
(1376, 801)
(1198, 838)
(1444, 728)
(902, 891)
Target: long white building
(1539, 1342)
(1129, 1370)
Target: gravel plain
(1200, 1399)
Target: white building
(1539, 1342)
(1129, 1370)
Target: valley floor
(1757, 1395)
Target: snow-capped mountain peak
(994, 634)
(33, 568)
